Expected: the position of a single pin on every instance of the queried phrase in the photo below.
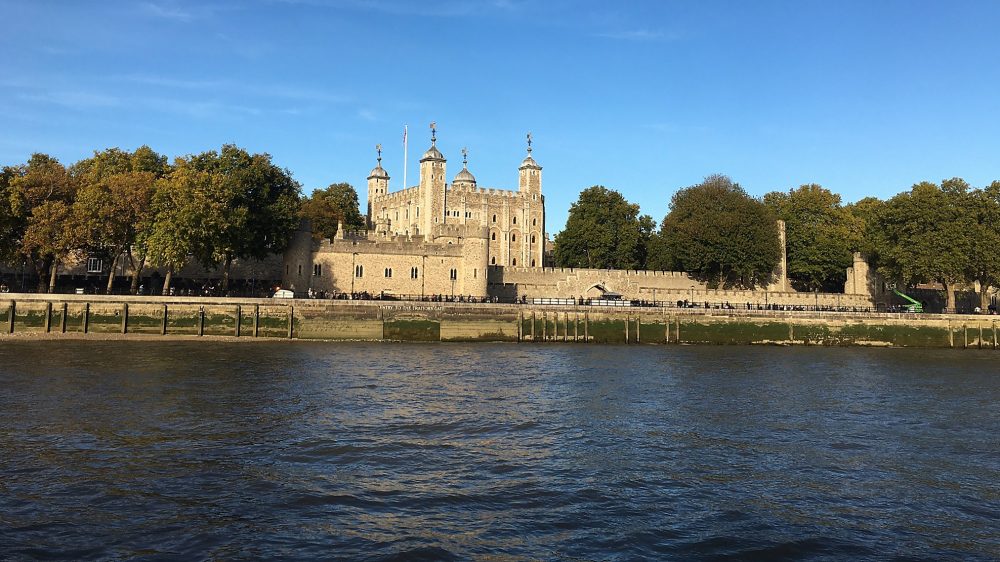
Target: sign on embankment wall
(84, 316)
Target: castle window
(513, 237)
(418, 212)
(515, 220)
(413, 273)
(532, 238)
(454, 274)
(513, 261)
(532, 263)
(388, 272)
(494, 218)
(317, 270)
(475, 274)
(534, 222)
(492, 237)
(359, 271)
(493, 260)
(300, 270)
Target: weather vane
(378, 149)
(529, 142)
(433, 132)
(465, 156)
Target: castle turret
(378, 184)
(530, 178)
(432, 186)
(464, 177)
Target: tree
(719, 234)
(926, 234)
(328, 208)
(603, 231)
(820, 237)
(114, 204)
(984, 254)
(40, 194)
(182, 226)
(255, 204)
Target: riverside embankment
(90, 316)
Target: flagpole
(404, 157)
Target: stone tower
(530, 177)
(432, 187)
(378, 185)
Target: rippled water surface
(297, 451)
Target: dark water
(237, 451)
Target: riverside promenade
(102, 317)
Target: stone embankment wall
(88, 316)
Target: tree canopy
(327, 208)
(820, 236)
(603, 231)
(719, 234)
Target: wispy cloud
(639, 35)
(166, 11)
(72, 98)
(427, 8)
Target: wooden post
(163, 321)
(256, 319)
(239, 318)
(994, 334)
(62, 319)
(545, 325)
(291, 322)
(533, 325)
(201, 320)
(637, 326)
(627, 320)
(86, 317)
(965, 336)
(520, 324)
(980, 335)
(576, 326)
(678, 319)
(586, 326)
(48, 317)
(124, 317)
(11, 310)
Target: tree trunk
(111, 275)
(166, 280)
(949, 292)
(984, 297)
(225, 274)
(53, 271)
(137, 272)
(43, 267)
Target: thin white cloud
(164, 11)
(72, 98)
(638, 35)
(427, 8)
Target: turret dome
(378, 172)
(432, 154)
(464, 176)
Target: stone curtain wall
(670, 286)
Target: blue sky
(864, 98)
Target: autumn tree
(114, 205)
(820, 235)
(719, 234)
(603, 231)
(40, 196)
(328, 208)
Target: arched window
(494, 218)
(388, 272)
(413, 273)
(493, 260)
(513, 237)
(532, 263)
(454, 274)
(534, 222)
(513, 261)
(493, 236)
(515, 220)
(359, 271)
(532, 238)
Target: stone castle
(458, 239)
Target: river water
(295, 451)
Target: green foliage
(719, 234)
(820, 235)
(603, 231)
(330, 207)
